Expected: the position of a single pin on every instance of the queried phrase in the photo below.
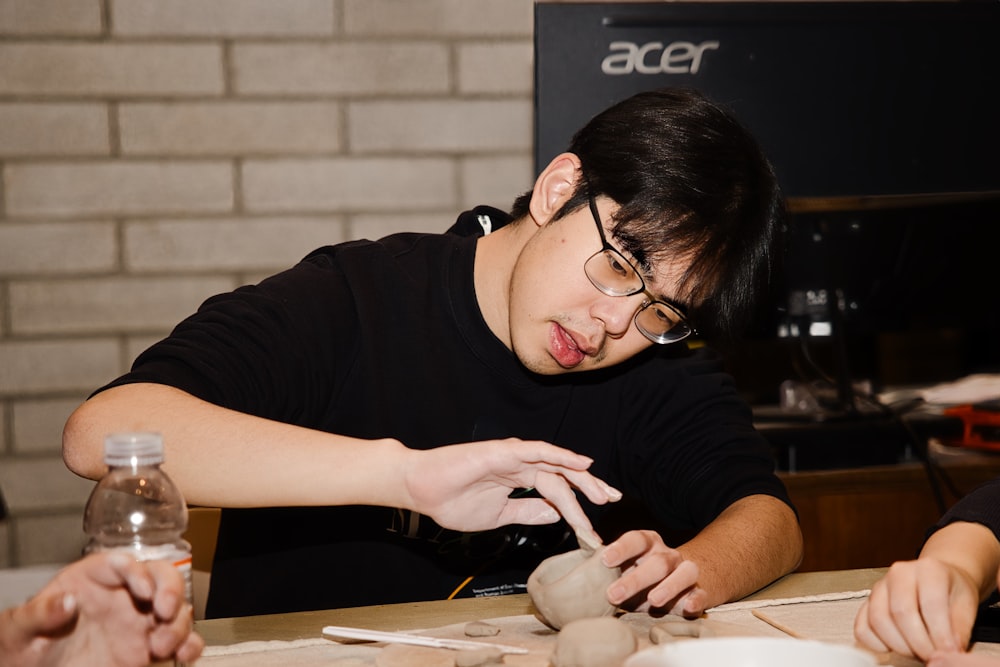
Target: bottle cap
(122, 449)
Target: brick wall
(153, 153)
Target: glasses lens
(612, 274)
(661, 323)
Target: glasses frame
(672, 335)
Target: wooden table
(411, 616)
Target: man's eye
(664, 315)
(619, 266)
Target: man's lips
(564, 348)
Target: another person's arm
(106, 609)
(930, 604)
(753, 542)
(222, 458)
(927, 606)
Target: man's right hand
(467, 487)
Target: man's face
(559, 321)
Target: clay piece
(594, 642)
(481, 629)
(571, 586)
(476, 657)
(672, 628)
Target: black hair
(691, 182)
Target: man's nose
(616, 312)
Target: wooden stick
(775, 624)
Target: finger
(682, 577)
(596, 489)
(864, 633)
(167, 638)
(888, 620)
(936, 610)
(557, 491)
(191, 649)
(114, 569)
(550, 458)
(538, 451)
(651, 569)
(695, 602)
(629, 546)
(45, 613)
(169, 589)
(528, 512)
(962, 619)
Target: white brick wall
(153, 153)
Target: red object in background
(980, 425)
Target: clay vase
(571, 586)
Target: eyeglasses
(610, 272)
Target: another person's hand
(467, 487)
(919, 607)
(105, 609)
(951, 659)
(654, 576)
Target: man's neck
(496, 255)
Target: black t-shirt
(384, 338)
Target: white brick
(50, 17)
(341, 68)
(439, 17)
(51, 248)
(41, 484)
(107, 304)
(46, 366)
(54, 538)
(122, 187)
(53, 129)
(376, 226)
(258, 244)
(348, 184)
(440, 125)
(223, 18)
(493, 68)
(496, 181)
(38, 424)
(230, 128)
(101, 69)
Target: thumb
(528, 512)
(45, 613)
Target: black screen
(880, 120)
(847, 99)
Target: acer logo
(655, 58)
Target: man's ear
(554, 186)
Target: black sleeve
(981, 505)
(268, 349)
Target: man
(562, 325)
(105, 609)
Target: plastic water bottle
(136, 507)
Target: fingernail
(69, 602)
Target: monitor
(847, 98)
(882, 121)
